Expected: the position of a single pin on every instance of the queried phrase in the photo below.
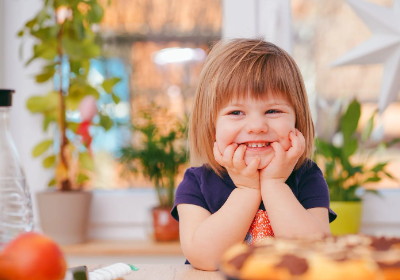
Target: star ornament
(382, 47)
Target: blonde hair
(240, 68)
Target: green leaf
(49, 162)
(373, 179)
(350, 148)
(42, 147)
(49, 118)
(78, 90)
(115, 98)
(82, 178)
(390, 175)
(43, 103)
(105, 122)
(86, 161)
(80, 49)
(46, 50)
(51, 183)
(73, 126)
(379, 167)
(31, 23)
(47, 35)
(79, 29)
(349, 120)
(46, 75)
(95, 14)
(80, 67)
(393, 142)
(369, 127)
(109, 84)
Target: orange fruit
(32, 256)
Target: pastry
(347, 257)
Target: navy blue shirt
(201, 186)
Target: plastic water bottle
(15, 200)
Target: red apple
(32, 256)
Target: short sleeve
(313, 190)
(188, 192)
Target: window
(157, 48)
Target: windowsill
(123, 247)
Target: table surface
(170, 272)
(123, 247)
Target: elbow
(201, 256)
(204, 266)
(205, 263)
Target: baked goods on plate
(348, 257)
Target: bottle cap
(6, 97)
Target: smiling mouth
(258, 145)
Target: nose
(256, 124)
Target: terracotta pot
(64, 216)
(165, 227)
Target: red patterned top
(260, 228)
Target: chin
(263, 163)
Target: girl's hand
(232, 158)
(284, 161)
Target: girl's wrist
(271, 182)
(256, 192)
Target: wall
(2, 23)
(380, 214)
(267, 19)
(25, 127)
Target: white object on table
(111, 272)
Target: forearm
(287, 216)
(205, 245)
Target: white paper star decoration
(382, 47)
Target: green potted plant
(65, 43)
(159, 155)
(348, 165)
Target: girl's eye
(273, 111)
(236, 113)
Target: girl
(251, 129)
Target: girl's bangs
(255, 79)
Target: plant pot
(64, 216)
(349, 217)
(165, 227)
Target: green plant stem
(65, 181)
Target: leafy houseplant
(65, 42)
(347, 165)
(160, 153)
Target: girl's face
(256, 123)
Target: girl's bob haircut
(241, 68)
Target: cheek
(285, 142)
(284, 139)
(221, 139)
(223, 136)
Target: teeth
(256, 145)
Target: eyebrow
(284, 103)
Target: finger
(238, 157)
(302, 140)
(227, 155)
(278, 149)
(298, 144)
(252, 166)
